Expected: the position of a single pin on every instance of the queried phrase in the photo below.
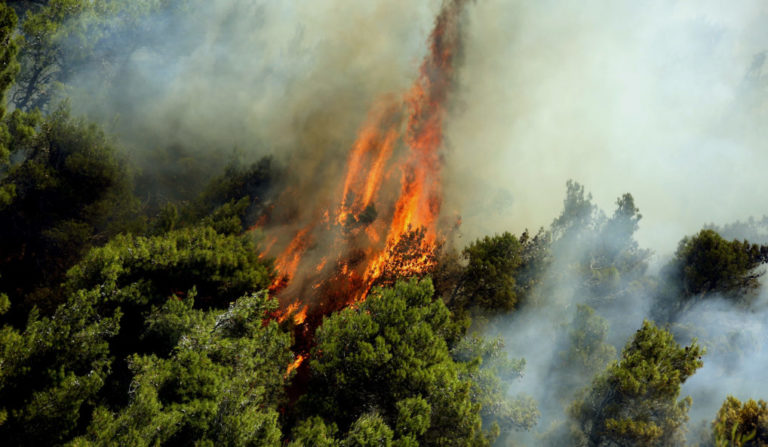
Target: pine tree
(741, 424)
(384, 366)
(635, 401)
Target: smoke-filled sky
(654, 98)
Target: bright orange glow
(419, 203)
(402, 136)
(292, 308)
(292, 311)
(287, 263)
(367, 159)
(295, 364)
(385, 208)
(373, 235)
(373, 181)
(300, 315)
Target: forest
(206, 241)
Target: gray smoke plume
(665, 100)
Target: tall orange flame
(288, 261)
(380, 227)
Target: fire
(300, 315)
(383, 221)
(270, 243)
(288, 261)
(295, 364)
(367, 160)
(293, 311)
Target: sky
(652, 98)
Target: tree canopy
(706, 263)
(741, 424)
(385, 365)
(635, 401)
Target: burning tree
(383, 222)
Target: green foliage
(5, 303)
(578, 216)
(62, 36)
(389, 355)
(707, 263)
(146, 270)
(488, 281)
(447, 273)
(500, 271)
(9, 67)
(741, 424)
(230, 203)
(144, 314)
(597, 254)
(138, 274)
(70, 192)
(369, 430)
(315, 432)
(413, 417)
(619, 247)
(235, 199)
(587, 352)
(491, 372)
(753, 230)
(53, 370)
(228, 218)
(635, 401)
(9, 48)
(119, 335)
(536, 259)
(221, 385)
(46, 32)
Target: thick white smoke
(262, 76)
(662, 99)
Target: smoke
(242, 70)
(366, 222)
(320, 90)
(565, 347)
(737, 354)
(665, 100)
(290, 79)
